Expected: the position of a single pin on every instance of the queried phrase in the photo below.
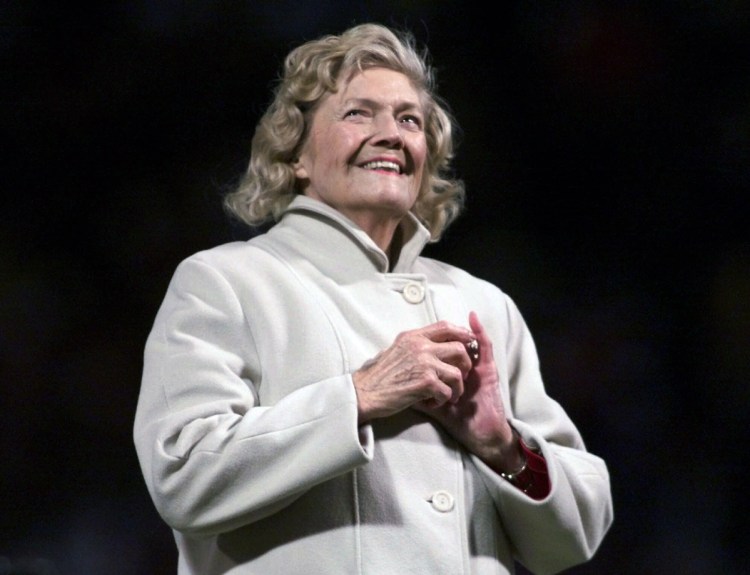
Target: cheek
(419, 152)
(420, 160)
(421, 166)
(343, 148)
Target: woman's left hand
(478, 420)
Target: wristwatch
(523, 478)
(513, 476)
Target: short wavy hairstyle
(313, 70)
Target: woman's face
(366, 149)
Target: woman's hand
(426, 366)
(477, 418)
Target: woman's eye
(415, 120)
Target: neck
(394, 250)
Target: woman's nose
(388, 130)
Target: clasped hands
(430, 369)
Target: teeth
(382, 165)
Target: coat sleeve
(567, 527)
(213, 458)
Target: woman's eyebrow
(375, 104)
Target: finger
(443, 331)
(449, 384)
(482, 338)
(439, 394)
(476, 325)
(456, 384)
(456, 354)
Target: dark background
(605, 148)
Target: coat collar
(329, 223)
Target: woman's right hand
(428, 364)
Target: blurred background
(606, 151)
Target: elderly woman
(322, 399)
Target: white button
(442, 501)
(413, 292)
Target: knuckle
(440, 391)
(428, 376)
(401, 337)
(418, 348)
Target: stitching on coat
(262, 243)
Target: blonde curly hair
(310, 72)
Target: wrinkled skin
(429, 369)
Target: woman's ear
(301, 177)
(300, 172)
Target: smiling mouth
(382, 165)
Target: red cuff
(534, 480)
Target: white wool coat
(246, 426)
